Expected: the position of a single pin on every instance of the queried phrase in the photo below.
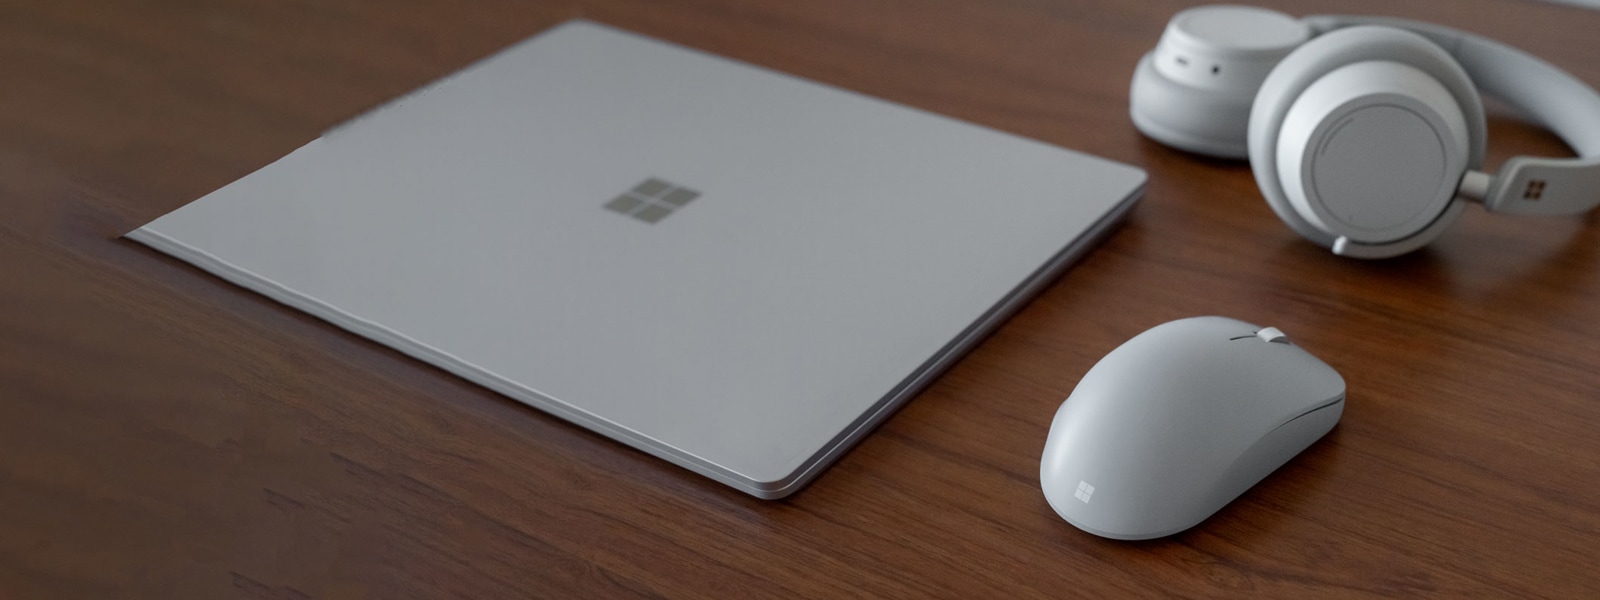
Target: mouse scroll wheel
(1272, 334)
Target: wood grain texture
(166, 435)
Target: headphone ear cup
(1359, 138)
(1194, 90)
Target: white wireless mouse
(1178, 421)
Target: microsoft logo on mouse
(1084, 491)
(652, 200)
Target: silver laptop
(738, 271)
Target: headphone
(1364, 133)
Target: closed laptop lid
(731, 268)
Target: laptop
(735, 270)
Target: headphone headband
(1538, 90)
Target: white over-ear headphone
(1364, 133)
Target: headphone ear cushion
(1332, 52)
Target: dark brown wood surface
(166, 435)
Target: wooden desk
(164, 434)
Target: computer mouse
(1177, 422)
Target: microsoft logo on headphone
(1534, 191)
(652, 200)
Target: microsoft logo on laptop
(652, 200)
